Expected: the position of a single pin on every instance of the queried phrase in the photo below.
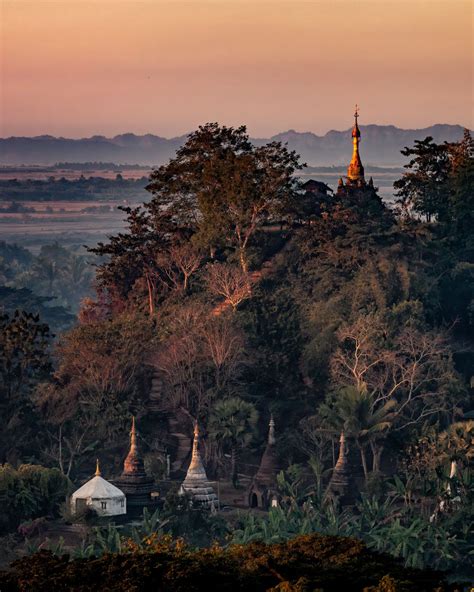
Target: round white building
(99, 495)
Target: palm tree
(354, 412)
(232, 424)
(457, 441)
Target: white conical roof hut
(196, 483)
(99, 495)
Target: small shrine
(99, 495)
(262, 492)
(196, 484)
(134, 481)
(355, 189)
(342, 484)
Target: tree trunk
(60, 451)
(151, 307)
(233, 457)
(377, 455)
(243, 260)
(363, 459)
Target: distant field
(93, 218)
(22, 174)
(66, 224)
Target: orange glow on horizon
(79, 67)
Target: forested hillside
(241, 294)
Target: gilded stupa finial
(355, 129)
(133, 463)
(97, 468)
(355, 171)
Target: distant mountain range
(381, 145)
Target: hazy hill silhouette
(381, 145)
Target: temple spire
(196, 468)
(97, 468)
(341, 484)
(196, 483)
(133, 437)
(195, 452)
(271, 431)
(133, 463)
(355, 171)
(134, 481)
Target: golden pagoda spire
(97, 469)
(355, 171)
(133, 463)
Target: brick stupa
(134, 481)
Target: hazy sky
(83, 67)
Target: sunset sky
(81, 67)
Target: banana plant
(107, 540)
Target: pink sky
(82, 67)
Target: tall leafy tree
(461, 184)
(225, 188)
(423, 188)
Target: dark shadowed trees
(232, 424)
(24, 361)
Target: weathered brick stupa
(134, 481)
(342, 486)
(196, 484)
(262, 492)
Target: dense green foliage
(30, 492)
(392, 519)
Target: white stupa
(99, 495)
(196, 484)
